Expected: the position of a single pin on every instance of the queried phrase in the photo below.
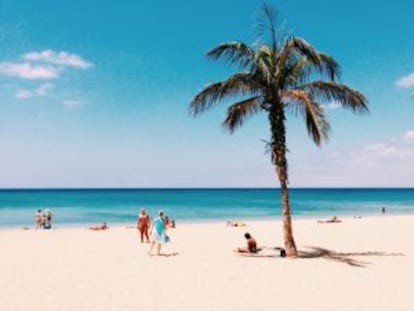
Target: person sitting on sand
(251, 245)
(332, 220)
(143, 224)
(104, 226)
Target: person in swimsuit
(38, 219)
(332, 220)
(104, 226)
(235, 224)
(251, 245)
(47, 218)
(143, 223)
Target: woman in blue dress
(158, 232)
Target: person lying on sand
(104, 226)
(235, 224)
(251, 245)
(332, 220)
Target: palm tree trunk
(287, 221)
(277, 124)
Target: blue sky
(96, 94)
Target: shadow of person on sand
(344, 257)
(266, 252)
(166, 254)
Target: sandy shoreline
(359, 264)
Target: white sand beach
(359, 264)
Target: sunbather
(332, 220)
(104, 226)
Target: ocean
(82, 207)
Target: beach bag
(166, 238)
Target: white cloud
(28, 71)
(381, 164)
(47, 64)
(41, 90)
(406, 82)
(71, 104)
(24, 94)
(44, 89)
(380, 151)
(383, 155)
(58, 58)
(409, 135)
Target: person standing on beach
(38, 219)
(47, 219)
(157, 232)
(143, 223)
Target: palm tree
(276, 78)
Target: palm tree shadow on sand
(344, 257)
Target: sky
(96, 94)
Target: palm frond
(271, 14)
(237, 84)
(339, 93)
(312, 112)
(329, 66)
(318, 128)
(296, 49)
(234, 53)
(266, 22)
(239, 112)
(263, 65)
(302, 47)
(297, 72)
(292, 51)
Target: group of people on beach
(43, 220)
(153, 232)
(155, 228)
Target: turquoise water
(120, 206)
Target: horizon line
(197, 188)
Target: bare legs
(144, 234)
(158, 248)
